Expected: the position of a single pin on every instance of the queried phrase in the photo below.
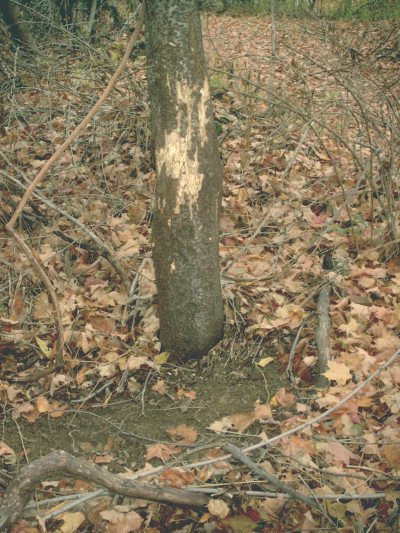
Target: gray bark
(92, 19)
(18, 27)
(189, 180)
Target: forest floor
(307, 115)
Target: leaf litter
(310, 197)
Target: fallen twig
(307, 423)
(263, 474)
(289, 370)
(10, 226)
(60, 462)
(322, 336)
(101, 247)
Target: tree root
(60, 462)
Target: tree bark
(189, 181)
(60, 462)
(92, 19)
(19, 29)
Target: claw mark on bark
(178, 157)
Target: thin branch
(263, 474)
(80, 127)
(10, 226)
(307, 423)
(322, 336)
(60, 462)
(101, 247)
(289, 370)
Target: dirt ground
(226, 382)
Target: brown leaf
(23, 526)
(177, 477)
(338, 372)
(186, 434)
(238, 422)
(131, 521)
(72, 522)
(391, 453)
(17, 306)
(42, 404)
(339, 453)
(283, 398)
(43, 310)
(159, 387)
(218, 508)
(262, 411)
(5, 450)
(161, 451)
(104, 459)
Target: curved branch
(10, 226)
(60, 462)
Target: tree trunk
(92, 19)
(19, 29)
(189, 181)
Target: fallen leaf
(284, 398)
(159, 387)
(238, 422)
(177, 477)
(17, 306)
(46, 351)
(339, 453)
(5, 450)
(161, 358)
(218, 508)
(338, 372)
(104, 459)
(186, 434)
(42, 404)
(264, 362)
(391, 453)
(72, 521)
(161, 451)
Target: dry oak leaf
(339, 453)
(262, 411)
(218, 508)
(238, 422)
(72, 522)
(296, 446)
(186, 434)
(159, 387)
(161, 451)
(283, 398)
(23, 526)
(17, 306)
(391, 454)
(122, 522)
(42, 308)
(350, 328)
(136, 361)
(103, 459)
(392, 400)
(177, 477)
(337, 372)
(182, 393)
(5, 450)
(42, 404)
